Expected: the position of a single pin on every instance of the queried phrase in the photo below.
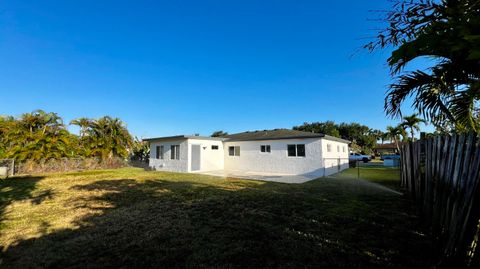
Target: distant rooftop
(256, 135)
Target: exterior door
(195, 157)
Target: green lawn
(386, 176)
(133, 218)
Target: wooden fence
(441, 174)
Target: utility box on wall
(3, 171)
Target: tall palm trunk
(395, 139)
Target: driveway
(275, 177)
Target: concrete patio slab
(274, 177)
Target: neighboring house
(387, 148)
(278, 151)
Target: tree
(448, 33)
(219, 134)
(36, 135)
(327, 127)
(394, 134)
(413, 123)
(6, 123)
(140, 150)
(384, 137)
(41, 136)
(106, 138)
(378, 134)
(40, 120)
(360, 135)
(83, 123)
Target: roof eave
(333, 138)
(272, 138)
(183, 137)
(164, 138)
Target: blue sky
(184, 67)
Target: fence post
(358, 170)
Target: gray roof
(179, 137)
(279, 134)
(256, 135)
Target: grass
(133, 218)
(386, 176)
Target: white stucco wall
(278, 161)
(211, 160)
(337, 159)
(167, 164)
(318, 160)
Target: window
(338, 148)
(292, 150)
(301, 150)
(234, 151)
(343, 148)
(296, 150)
(175, 152)
(214, 147)
(159, 153)
(329, 148)
(265, 148)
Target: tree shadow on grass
(17, 189)
(155, 223)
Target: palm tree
(6, 123)
(108, 137)
(83, 123)
(384, 137)
(449, 90)
(40, 120)
(36, 135)
(413, 123)
(377, 134)
(40, 135)
(394, 134)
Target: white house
(278, 151)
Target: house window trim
(159, 151)
(296, 151)
(236, 151)
(175, 152)
(265, 149)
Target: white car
(360, 157)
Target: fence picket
(451, 190)
(429, 163)
(442, 175)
